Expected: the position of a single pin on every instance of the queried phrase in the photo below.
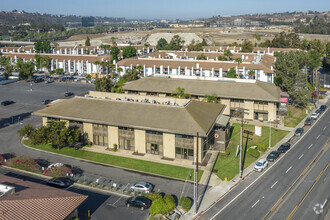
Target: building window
(154, 142)
(184, 153)
(126, 138)
(259, 105)
(100, 135)
(236, 103)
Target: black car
(7, 102)
(308, 121)
(38, 80)
(299, 132)
(67, 94)
(284, 147)
(273, 155)
(323, 107)
(47, 101)
(60, 182)
(140, 202)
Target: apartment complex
(163, 127)
(259, 99)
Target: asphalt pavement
(254, 197)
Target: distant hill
(15, 18)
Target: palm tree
(97, 63)
(228, 54)
(52, 72)
(211, 98)
(180, 93)
(56, 45)
(140, 69)
(251, 73)
(239, 61)
(45, 63)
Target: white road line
(273, 185)
(288, 169)
(324, 128)
(310, 146)
(318, 136)
(301, 156)
(255, 203)
(116, 201)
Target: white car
(261, 165)
(315, 115)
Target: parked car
(299, 132)
(49, 81)
(67, 94)
(60, 182)
(46, 102)
(322, 108)
(273, 155)
(261, 165)
(7, 102)
(308, 121)
(38, 80)
(141, 187)
(284, 147)
(315, 115)
(140, 202)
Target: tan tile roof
(249, 91)
(194, 117)
(36, 201)
(60, 57)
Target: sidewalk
(217, 192)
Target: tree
(314, 63)
(222, 58)
(88, 77)
(37, 58)
(87, 42)
(228, 54)
(286, 40)
(232, 73)
(201, 57)
(195, 46)
(326, 62)
(238, 61)
(129, 52)
(252, 73)
(114, 53)
(175, 43)
(37, 46)
(2, 61)
(211, 98)
(146, 45)
(25, 70)
(103, 85)
(204, 43)
(8, 70)
(162, 44)
(45, 46)
(247, 46)
(180, 93)
(45, 63)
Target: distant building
(87, 21)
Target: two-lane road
(270, 189)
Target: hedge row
(253, 152)
(261, 147)
(162, 205)
(185, 203)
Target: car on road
(322, 108)
(46, 102)
(284, 147)
(49, 81)
(261, 165)
(315, 115)
(60, 182)
(299, 132)
(140, 202)
(308, 121)
(141, 187)
(67, 94)
(7, 102)
(38, 80)
(272, 156)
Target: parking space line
(318, 136)
(324, 128)
(288, 169)
(255, 203)
(117, 201)
(310, 146)
(301, 156)
(273, 184)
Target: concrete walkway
(215, 193)
(147, 157)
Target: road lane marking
(310, 146)
(286, 192)
(318, 136)
(273, 184)
(301, 156)
(255, 203)
(310, 189)
(288, 169)
(324, 128)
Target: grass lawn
(135, 164)
(229, 166)
(295, 116)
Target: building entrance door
(185, 153)
(154, 149)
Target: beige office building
(167, 130)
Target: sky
(162, 9)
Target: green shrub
(253, 152)
(153, 196)
(158, 207)
(261, 147)
(170, 202)
(24, 163)
(26, 130)
(227, 152)
(185, 203)
(60, 171)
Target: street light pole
(241, 154)
(270, 134)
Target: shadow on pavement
(4, 122)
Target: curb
(103, 164)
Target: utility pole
(318, 87)
(241, 153)
(270, 134)
(196, 177)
